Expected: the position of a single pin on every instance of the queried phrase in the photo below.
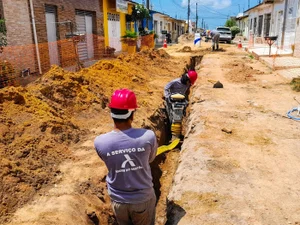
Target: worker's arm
(167, 90)
(187, 93)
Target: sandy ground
(238, 163)
(239, 160)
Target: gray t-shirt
(127, 155)
(175, 87)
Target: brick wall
(66, 12)
(17, 19)
(21, 49)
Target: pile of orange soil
(241, 72)
(39, 122)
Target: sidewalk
(281, 60)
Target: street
(238, 163)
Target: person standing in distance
(127, 152)
(215, 37)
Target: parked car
(225, 34)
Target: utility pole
(203, 24)
(188, 20)
(196, 16)
(248, 4)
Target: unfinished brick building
(39, 33)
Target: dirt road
(238, 163)
(240, 159)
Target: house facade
(259, 18)
(163, 24)
(242, 22)
(40, 32)
(274, 18)
(115, 23)
(160, 26)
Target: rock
(218, 85)
(227, 131)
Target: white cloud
(215, 4)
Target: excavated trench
(91, 198)
(163, 170)
(165, 165)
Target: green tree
(139, 13)
(235, 30)
(230, 23)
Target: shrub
(296, 84)
(235, 30)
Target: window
(128, 25)
(267, 24)
(155, 27)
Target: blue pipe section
(293, 117)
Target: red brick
(21, 49)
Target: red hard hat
(193, 76)
(123, 99)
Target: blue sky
(213, 12)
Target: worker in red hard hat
(176, 95)
(181, 85)
(127, 152)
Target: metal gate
(114, 31)
(52, 34)
(84, 23)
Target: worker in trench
(176, 94)
(127, 152)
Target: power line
(160, 5)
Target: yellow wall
(110, 6)
(105, 21)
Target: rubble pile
(186, 38)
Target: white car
(225, 34)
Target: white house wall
(243, 26)
(245, 22)
(160, 19)
(290, 28)
(297, 38)
(255, 13)
(252, 15)
(277, 21)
